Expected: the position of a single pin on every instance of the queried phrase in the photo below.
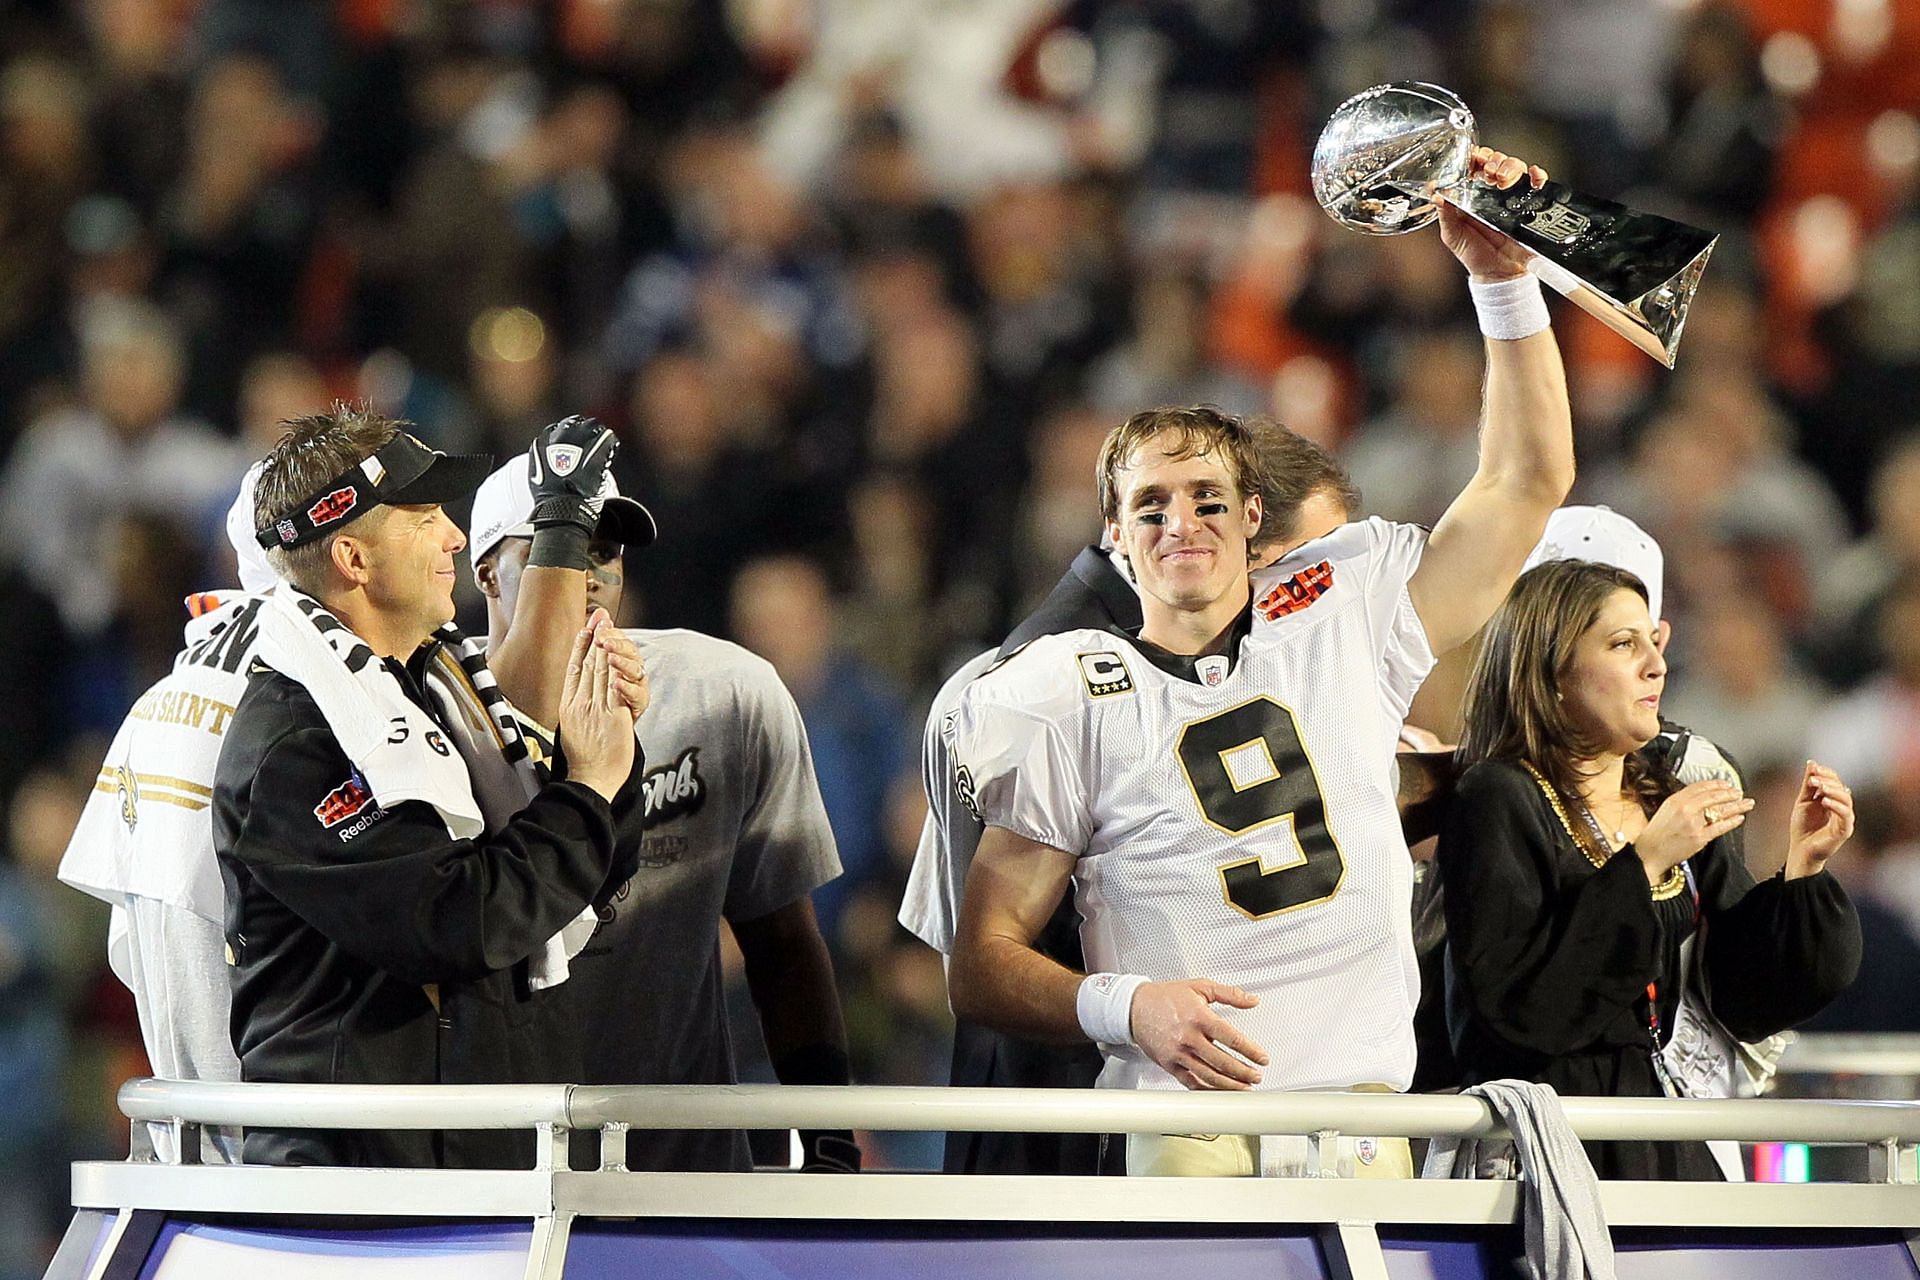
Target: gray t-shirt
(735, 829)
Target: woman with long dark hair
(1576, 870)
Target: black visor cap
(402, 472)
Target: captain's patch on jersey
(1297, 592)
(1105, 673)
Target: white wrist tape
(1509, 309)
(1105, 1006)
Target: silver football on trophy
(1385, 150)
(1390, 150)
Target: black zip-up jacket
(368, 946)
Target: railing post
(186, 1138)
(547, 1250)
(1893, 1161)
(1325, 1162)
(550, 1142)
(1353, 1251)
(613, 1147)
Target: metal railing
(117, 1202)
(1895, 1056)
(1888, 1128)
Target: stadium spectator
(1575, 870)
(783, 609)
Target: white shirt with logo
(1243, 830)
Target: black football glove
(828, 1151)
(566, 467)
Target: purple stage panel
(1479, 1254)
(1765, 1256)
(854, 1251)
(443, 1251)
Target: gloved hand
(828, 1151)
(566, 467)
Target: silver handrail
(993, 1110)
(347, 1106)
(1852, 1055)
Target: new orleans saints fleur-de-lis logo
(129, 792)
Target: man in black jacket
(367, 943)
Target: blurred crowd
(861, 285)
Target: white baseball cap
(503, 508)
(256, 574)
(1604, 535)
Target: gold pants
(1235, 1155)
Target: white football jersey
(1234, 818)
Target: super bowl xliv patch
(351, 802)
(332, 507)
(1105, 673)
(1296, 593)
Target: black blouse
(1549, 958)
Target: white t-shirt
(1234, 820)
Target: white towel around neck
(400, 751)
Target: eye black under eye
(1211, 509)
(1152, 517)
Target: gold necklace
(1670, 885)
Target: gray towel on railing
(1566, 1233)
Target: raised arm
(530, 660)
(1526, 434)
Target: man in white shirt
(1220, 788)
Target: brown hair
(312, 451)
(1189, 433)
(1294, 469)
(1513, 709)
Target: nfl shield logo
(1212, 670)
(1365, 1150)
(286, 531)
(563, 458)
(1559, 224)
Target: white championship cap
(256, 574)
(1604, 535)
(503, 508)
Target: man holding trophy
(1219, 789)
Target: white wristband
(1509, 309)
(1105, 1006)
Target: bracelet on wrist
(1104, 1006)
(1509, 310)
